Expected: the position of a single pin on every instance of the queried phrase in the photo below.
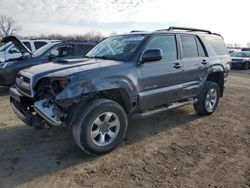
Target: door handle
(204, 62)
(177, 65)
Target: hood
(17, 43)
(66, 67)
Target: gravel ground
(171, 149)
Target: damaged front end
(42, 109)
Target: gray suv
(131, 75)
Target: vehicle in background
(53, 51)
(232, 50)
(9, 51)
(245, 49)
(241, 60)
(130, 75)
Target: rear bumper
(23, 114)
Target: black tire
(200, 106)
(82, 128)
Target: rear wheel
(101, 126)
(208, 99)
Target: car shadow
(4, 91)
(27, 154)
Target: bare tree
(8, 26)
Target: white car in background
(8, 51)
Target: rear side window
(167, 43)
(39, 44)
(218, 45)
(27, 44)
(189, 47)
(83, 49)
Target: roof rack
(186, 29)
(189, 29)
(136, 31)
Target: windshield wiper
(105, 57)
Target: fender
(79, 89)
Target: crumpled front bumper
(27, 117)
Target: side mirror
(13, 51)
(151, 55)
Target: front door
(160, 82)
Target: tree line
(8, 26)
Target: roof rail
(136, 31)
(186, 29)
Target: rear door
(160, 82)
(195, 63)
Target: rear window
(39, 44)
(27, 44)
(218, 45)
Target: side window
(167, 43)
(27, 44)
(62, 51)
(39, 44)
(189, 47)
(83, 49)
(200, 48)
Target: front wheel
(101, 126)
(208, 99)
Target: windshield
(43, 49)
(5, 46)
(241, 54)
(116, 48)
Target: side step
(174, 105)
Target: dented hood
(17, 43)
(66, 67)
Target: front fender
(80, 88)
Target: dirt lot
(171, 149)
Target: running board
(172, 106)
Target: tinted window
(218, 45)
(167, 44)
(62, 51)
(200, 48)
(189, 47)
(39, 44)
(83, 49)
(27, 44)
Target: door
(160, 82)
(195, 63)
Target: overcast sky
(229, 18)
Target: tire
(202, 107)
(95, 135)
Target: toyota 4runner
(130, 75)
